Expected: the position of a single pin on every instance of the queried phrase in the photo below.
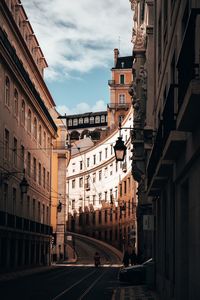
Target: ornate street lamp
(24, 186)
(120, 149)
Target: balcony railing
(118, 106)
(111, 82)
(15, 222)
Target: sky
(77, 38)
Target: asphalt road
(70, 281)
(63, 283)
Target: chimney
(116, 54)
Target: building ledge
(188, 116)
(174, 144)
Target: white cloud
(80, 35)
(82, 107)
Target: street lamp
(23, 184)
(120, 149)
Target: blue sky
(78, 38)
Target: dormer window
(122, 64)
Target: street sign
(69, 238)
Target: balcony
(119, 106)
(111, 82)
(15, 222)
(60, 145)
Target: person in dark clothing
(97, 261)
(129, 257)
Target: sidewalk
(25, 272)
(140, 292)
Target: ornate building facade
(166, 50)
(26, 133)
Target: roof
(125, 62)
(87, 114)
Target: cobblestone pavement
(134, 293)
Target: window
(33, 209)
(106, 172)
(39, 174)
(103, 119)
(81, 165)
(44, 177)
(111, 168)
(75, 122)
(91, 120)
(88, 162)
(43, 213)
(106, 216)
(15, 152)
(100, 175)
(106, 152)
(97, 119)
(111, 196)
(35, 128)
(86, 120)
(100, 195)
(5, 195)
(111, 149)
(105, 195)
(94, 177)
(6, 144)
(125, 187)
(40, 135)
(16, 102)
(28, 206)
(23, 112)
(70, 122)
(94, 159)
(94, 199)
(14, 199)
(48, 181)
(120, 119)
(81, 182)
(34, 169)
(100, 156)
(39, 217)
(29, 121)
(73, 203)
(29, 164)
(99, 217)
(7, 91)
(44, 140)
(47, 215)
(22, 156)
(81, 121)
(122, 79)
(73, 183)
(122, 99)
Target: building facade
(120, 100)
(101, 191)
(26, 133)
(169, 60)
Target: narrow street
(79, 280)
(63, 283)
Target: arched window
(81, 121)
(7, 91)
(103, 119)
(97, 119)
(91, 120)
(40, 135)
(86, 120)
(16, 102)
(23, 112)
(75, 122)
(35, 128)
(29, 121)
